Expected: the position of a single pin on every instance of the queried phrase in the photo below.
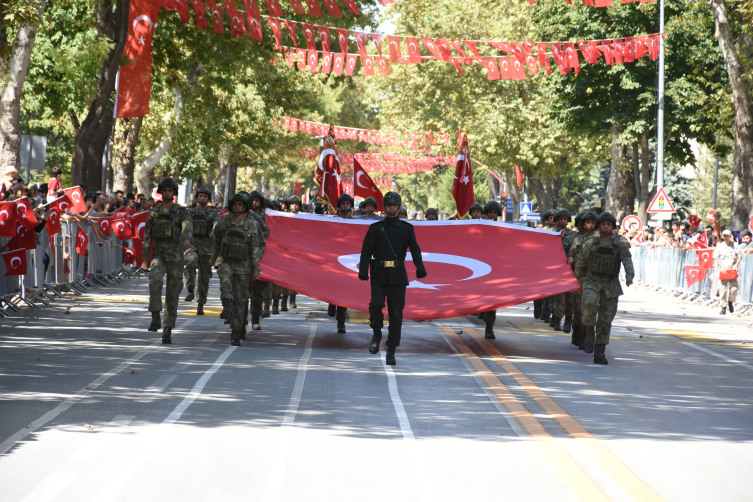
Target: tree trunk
(645, 195)
(620, 196)
(13, 71)
(94, 132)
(543, 190)
(145, 169)
(742, 185)
(123, 161)
(219, 200)
(232, 178)
(514, 192)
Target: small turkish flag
(253, 15)
(82, 240)
(15, 262)
(313, 61)
(123, 229)
(326, 62)
(339, 62)
(705, 258)
(352, 7)
(694, 220)
(216, 14)
(24, 214)
(384, 66)
(77, 199)
(61, 204)
(693, 274)
(276, 31)
(504, 68)
(703, 238)
(519, 176)
(432, 46)
(462, 185)
(274, 8)
(130, 255)
(350, 63)
(333, 8)
(104, 226)
(368, 66)
(297, 7)
(139, 225)
(364, 186)
(53, 223)
(7, 219)
(493, 69)
(414, 53)
(394, 45)
(24, 238)
(181, 6)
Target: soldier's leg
(205, 274)
(276, 296)
(240, 298)
(189, 272)
(395, 305)
(577, 317)
(546, 310)
(489, 318)
(590, 312)
(340, 316)
(292, 295)
(376, 317)
(607, 311)
(172, 291)
(732, 295)
(257, 297)
(268, 294)
(559, 311)
(537, 304)
(225, 273)
(284, 301)
(157, 272)
(569, 310)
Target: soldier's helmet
(493, 204)
(345, 197)
(403, 211)
(276, 205)
(294, 198)
(578, 217)
(431, 211)
(607, 216)
(562, 212)
(360, 205)
(255, 194)
(239, 197)
(205, 191)
(167, 182)
(548, 213)
(268, 203)
(282, 199)
(475, 206)
(391, 197)
(589, 215)
(370, 200)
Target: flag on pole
(364, 186)
(462, 185)
(327, 174)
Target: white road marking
(97, 443)
(720, 356)
(153, 391)
(120, 479)
(278, 467)
(50, 487)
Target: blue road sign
(525, 208)
(509, 205)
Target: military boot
(265, 312)
(227, 307)
(489, 332)
(242, 333)
(167, 335)
(599, 356)
(556, 323)
(235, 338)
(537, 310)
(200, 309)
(375, 341)
(284, 306)
(731, 307)
(546, 313)
(275, 305)
(332, 310)
(255, 322)
(568, 324)
(390, 359)
(723, 311)
(341, 320)
(189, 296)
(575, 339)
(156, 322)
(481, 315)
(582, 339)
(293, 305)
(590, 339)
(224, 313)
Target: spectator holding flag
(727, 258)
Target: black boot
(156, 322)
(284, 306)
(537, 310)
(390, 359)
(481, 315)
(189, 296)
(225, 310)
(375, 341)
(332, 310)
(341, 326)
(255, 322)
(582, 339)
(575, 339)
(590, 339)
(568, 324)
(556, 323)
(275, 305)
(731, 307)
(167, 335)
(200, 309)
(242, 333)
(265, 312)
(599, 356)
(489, 332)
(723, 311)
(546, 313)
(235, 338)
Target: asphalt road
(94, 408)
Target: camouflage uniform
(542, 308)
(563, 301)
(167, 229)
(598, 267)
(257, 287)
(201, 251)
(236, 255)
(578, 337)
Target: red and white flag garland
(384, 163)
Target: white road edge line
(39, 422)
(278, 466)
(720, 356)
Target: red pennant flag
(324, 37)
(308, 34)
(8, 212)
(123, 229)
(606, 49)
(361, 42)
(253, 15)
(571, 55)
(694, 221)
(384, 66)
(61, 204)
(289, 60)
(291, 26)
(314, 9)
(474, 49)
(432, 46)
(313, 61)
(705, 258)
(138, 222)
(82, 240)
(519, 177)
(459, 47)
(333, 8)
(544, 58)
(15, 262)
(297, 7)
(201, 14)
(215, 13)
(339, 61)
(53, 223)
(703, 238)
(342, 38)
(693, 274)
(493, 69)
(517, 72)
(134, 84)
(237, 26)
(303, 61)
(462, 185)
(629, 46)
(533, 64)
(181, 6)
(352, 7)
(377, 38)
(350, 64)
(24, 238)
(77, 200)
(364, 186)
(274, 8)
(590, 51)
(368, 66)
(24, 214)
(276, 30)
(130, 255)
(504, 68)
(327, 173)
(104, 226)
(326, 62)
(414, 53)
(640, 47)
(445, 49)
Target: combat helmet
(268, 203)
(371, 200)
(578, 217)
(589, 215)
(205, 191)
(607, 216)
(294, 198)
(239, 197)
(391, 197)
(255, 194)
(431, 211)
(345, 197)
(276, 205)
(562, 212)
(167, 182)
(402, 210)
(475, 206)
(493, 204)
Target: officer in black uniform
(344, 208)
(387, 242)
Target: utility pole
(716, 177)
(660, 112)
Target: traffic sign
(661, 203)
(632, 222)
(509, 205)
(525, 208)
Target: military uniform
(387, 242)
(579, 339)
(167, 230)
(490, 317)
(202, 247)
(598, 266)
(542, 308)
(563, 301)
(236, 256)
(258, 287)
(340, 313)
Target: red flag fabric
(134, 85)
(352, 7)
(276, 31)
(201, 14)
(53, 223)
(333, 8)
(24, 238)
(123, 229)
(130, 255)
(313, 61)
(694, 220)
(61, 204)
(77, 199)
(693, 274)
(314, 8)
(519, 176)
(432, 46)
(274, 8)
(364, 186)
(253, 15)
(324, 38)
(24, 214)
(461, 259)
(181, 6)
(297, 7)
(104, 226)
(339, 61)
(350, 64)
(82, 240)
(414, 53)
(8, 219)
(703, 238)
(342, 39)
(308, 34)
(139, 225)
(326, 62)
(15, 262)
(327, 173)
(237, 26)
(384, 66)
(493, 69)
(291, 26)
(394, 44)
(215, 13)
(705, 258)
(462, 186)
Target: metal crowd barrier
(55, 267)
(665, 267)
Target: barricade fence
(665, 268)
(55, 267)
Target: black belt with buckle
(388, 264)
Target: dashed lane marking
(720, 356)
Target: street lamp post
(660, 112)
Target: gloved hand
(421, 273)
(364, 276)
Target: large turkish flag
(473, 265)
(135, 78)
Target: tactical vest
(202, 227)
(165, 228)
(235, 242)
(605, 261)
